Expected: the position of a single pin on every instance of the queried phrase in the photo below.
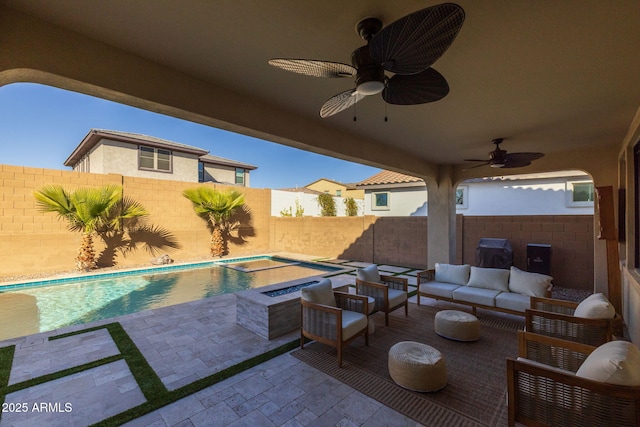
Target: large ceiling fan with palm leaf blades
(406, 48)
(499, 158)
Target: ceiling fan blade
(314, 68)
(427, 86)
(484, 163)
(340, 102)
(414, 42)
(522, 157)
(510, 164)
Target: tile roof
(389, 177)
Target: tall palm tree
(216, 207)
(87, 210)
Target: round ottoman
(417, 366)
(457, 325)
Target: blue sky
(40, 126)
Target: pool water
(30, 310)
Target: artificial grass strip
(172, 396)
(6, 361)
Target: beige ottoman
(417, 366)
(457, 325)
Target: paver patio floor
(182, 344)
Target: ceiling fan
(499, 158)
(406, 48)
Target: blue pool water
(43, 307)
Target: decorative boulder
(161, 260)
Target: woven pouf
(457, 325)
(417, 366)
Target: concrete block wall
(36, 242)
(570, 237)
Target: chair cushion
(369, 274)
(614, 362)
(352, 323)
(489, 278)
(455, 274)
(396, 297)
(476, 295)
(531, 284)
(319, 293)
(438, 289)
(513, 301)
(595, 306)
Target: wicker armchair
(389, 294)
(541, 395)
(335, 326)
(554, 318)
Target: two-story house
(132, 154)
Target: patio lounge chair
(333, 318)
(595, 322)
(556, 382)
(389, 292)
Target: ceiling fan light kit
(406, 48)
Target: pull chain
(385, 112)
(354, 113)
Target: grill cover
(494, 253)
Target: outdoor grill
(494, 253)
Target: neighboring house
(132, 154)
(559, 193)
(288, 200)
(336, 188)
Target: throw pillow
(369, 274)
(615, 362)
(496, 279)
(455, 274)
(319, 293)
(531, 284)
(595, 306)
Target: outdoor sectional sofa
(508, 291)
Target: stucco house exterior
(132, 154)
(335, 188)
(391, 193)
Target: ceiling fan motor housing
(370, 76)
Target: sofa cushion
(396, 297)
(369, 274)
(449, 273)
(531, 284)
(513, 301)
(614, 362)
(476, 295)
(319, 293)
(489, 278)
(595, 306)
(438, 289)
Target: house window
(239, 176)
(461, 197)
(200, 172)
(380, 201)
(580, 194)
(154, 159)
(339, 193)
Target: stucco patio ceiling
(559, 77)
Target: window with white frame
(151, 158)
(461, 197)
(380, 201)
(580, 193)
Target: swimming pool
(46, 305)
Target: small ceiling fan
(499, 158)
(406, 48)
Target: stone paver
(182, 344)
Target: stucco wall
(122, 158)
(402, 202)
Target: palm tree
(87, 210)
(216, 207)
